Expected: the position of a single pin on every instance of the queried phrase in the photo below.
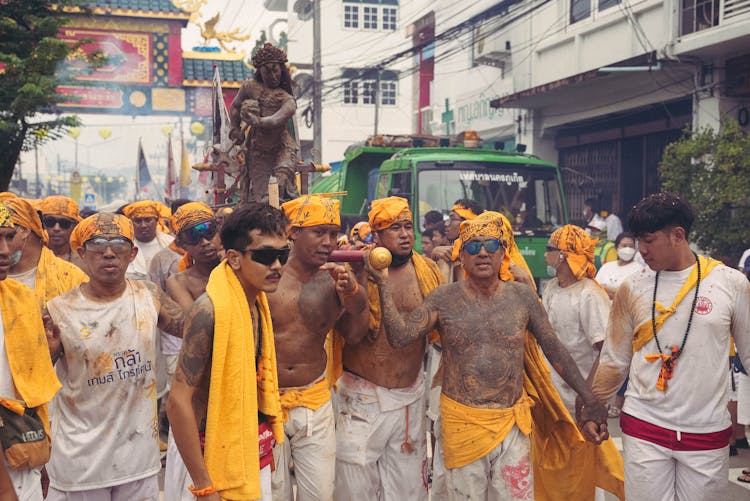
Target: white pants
(439, 489)
(26, 482)
(311, 446)
(655, 473)
(743, 398)
(503, 474)
(146, 489)
(177, 478)
(371, 428)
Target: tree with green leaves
(712, 169)
(30, 53)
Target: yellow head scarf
(487, 224)
(387, 211)
(102, 224)
(464, 212)
(312, 210)
(362, 229)
(6, 219)
(142, 208)
(58, 205)
(24, 215)
(190, 214)
(6, 195)
(579, 247)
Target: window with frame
(579, 10)
(351, 92)
(606, 4)
(388, 93)
(368, 92)
(351, 16)
(389, 18)
(370, 18)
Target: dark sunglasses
(50, 222)
(194, 234)
(269, 256)
(552, 249)
(119, 245)
(475, 246)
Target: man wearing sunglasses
(380, 437)
(104, 337)
(225, 394)
(145, 216)
(486, 416)
(60, 216)
(314, 297)
(32, 262)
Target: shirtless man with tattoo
(104, 332)
(195, 226)
(482, 323)
(313, 297)
(224, 402)
(380, 439)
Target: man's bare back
(376, 360)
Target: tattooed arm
(560, 359)
(171, 316)
(419, 322)
(190, 381)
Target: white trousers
(371, 428)
(26, 482)
(655, 473)
(311, 446)
(503, 474)
(146, 489)
(743, 398)
(177, 478)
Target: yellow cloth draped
(239, 391)
(56, 276)
(428, 277)
(644, 332)
(470, 433)
(312, 398)
(26, 347)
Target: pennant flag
(170, 183)
(145, 188)
(221, 123)
(185, 171)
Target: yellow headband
(464, 212)
(103, 224)
(58, 205)
(25, 215)
(487, 224)
(312, 210)
(386, 212)
(579, 247)
(189, 215)
(142, 208)
(6, 219)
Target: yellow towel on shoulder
(26, 347)
(470, 433)
(312, 397)
(238, 391)
(56, 276)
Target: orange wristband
(206, 491)
(347, 295)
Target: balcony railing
(699, 15)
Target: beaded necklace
(668, 362)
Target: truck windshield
(528, 195)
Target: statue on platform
(259, 117)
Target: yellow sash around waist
(312, 397)
(470, 433)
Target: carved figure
(208, 32)
(264, 105)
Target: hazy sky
(117, 154)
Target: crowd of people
(232, 342)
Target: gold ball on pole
(380, 258)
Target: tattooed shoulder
(197, 346)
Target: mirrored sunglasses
(194, 234)
(65, 223)
(269, 256)
(473, 247)
(119, 245)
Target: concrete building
(604, 85)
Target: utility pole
(317, 83)
(38, 189)
(376, 96)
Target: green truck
(432, 173)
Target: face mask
(551, 271)
(626, 253)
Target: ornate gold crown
(269, 54)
